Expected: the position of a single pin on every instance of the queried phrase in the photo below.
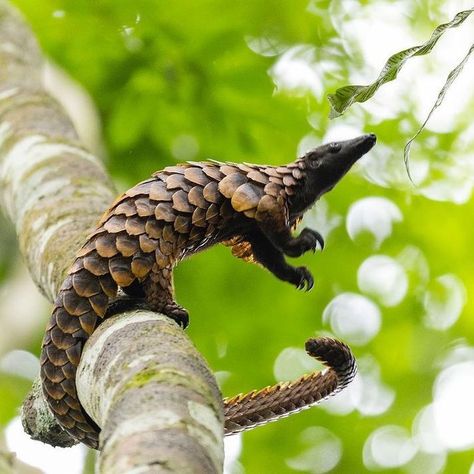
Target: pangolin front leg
(272, 219)
(273, 259)
(294, 246)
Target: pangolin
(177, 212)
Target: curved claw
(179, 315)
(313, 238)
(320, 239)
(306, 281)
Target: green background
(178, 80)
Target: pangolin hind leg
(159, 295)
(273, 259)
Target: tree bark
(156, 400)
(54, 191)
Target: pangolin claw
(179, 315)
(320, 239)
(306, 281)
(312, 238)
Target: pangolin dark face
(334, 159)
(326, 165)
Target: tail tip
(334, 354)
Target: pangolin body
(178, 212)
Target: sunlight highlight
(383, 278)
(322, 452)
(292, 362)
(367, 393)
(388, 447)
(233, 450)
(353, 317)
(20, 363)
(444, 301)
(322, 218)
(453, 410)
(50, 460)
(297, 71)
(373, 215)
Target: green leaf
(344, 97)
(442, 93)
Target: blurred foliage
(195, 80)
(13, 390)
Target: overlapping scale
(196, 197)
(196, 175)
(181, 203)
(56, 356)
(213, 172)
(115, 224)
(141, 265)
(144, 207)
(159, 192)
(88, 321)
(84, 285)
(169, 170)
(199, 217)
(126, 207)
(147, 244)
(211, 192)
(228, 169)
(141, 189)
(135, 225)
(230, 183)
(75, 304)
(119, 268)
(126, 244)
(164, 212)
(99, 305)
(105, 245)
(212, 214)
(246, 196)
(177, 181)
(183, 224)
(258, 177)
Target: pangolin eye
(334, 147)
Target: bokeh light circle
(353, 317)
(383, 278)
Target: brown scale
(148, 229)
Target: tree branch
(52, 189)
(162, 395)
(141, 379)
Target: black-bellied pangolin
(174, 214)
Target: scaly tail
(244, 412)
(81, 303)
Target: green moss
(146, 376)
(171, 377)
